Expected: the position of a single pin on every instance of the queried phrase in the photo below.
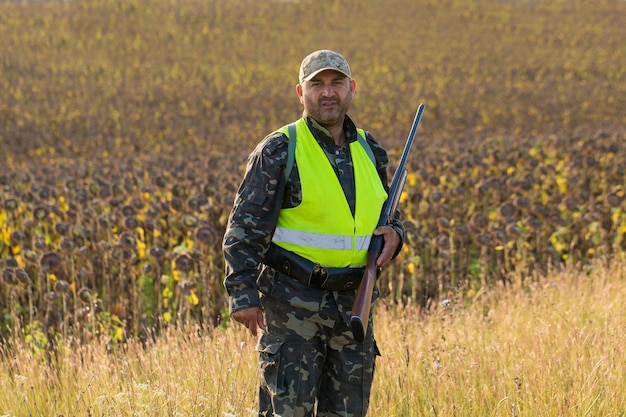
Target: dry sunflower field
(124, 132)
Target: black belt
(312, 274)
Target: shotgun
(363, 301)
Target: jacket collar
(321, 133)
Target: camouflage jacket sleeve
(252, 221)
(382, 165)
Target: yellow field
(124, 131)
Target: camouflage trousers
(310, 364)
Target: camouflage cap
(321, 60)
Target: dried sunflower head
(62, 229)
(40, 213)
(479, 221)
(570, 204)
(540, 210)
(61, 286)
(614, 199)
(460, 230)
(22, 277)
(506, 210)
(127, 240)
(179, 191)
(443, 223)
(137, 204)
(176, 204)
(522, 202)
(532, 222)
(66, 244)
(8, 277)
(50, 261)
(128, 211)
(205, 235)
(435, 197)
(85, 296)
(512, 230)
(458, 191)
(196, 203)
(11, 204)
(189, 221)
(131, 223)
(30, 256)
(17, 236)
(483, 239)
(157, 252)
(51, 297)
(40, 242)
(183, 262)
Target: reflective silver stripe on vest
(320, 240)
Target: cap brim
(314, 73)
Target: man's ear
(299, 91)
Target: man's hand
(251, 317)
(391, 241)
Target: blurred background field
(125, 127)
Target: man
(296, 244)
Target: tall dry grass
(550, 346)
(183, 374)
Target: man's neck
(336, 132)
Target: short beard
(314, 109)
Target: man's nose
(328, 91)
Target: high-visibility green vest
(321, 228)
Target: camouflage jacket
(253, 218)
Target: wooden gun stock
(363, 301)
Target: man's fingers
(391, 241)
(259, 321)
(252, 318)
(251, 325)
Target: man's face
(327, 97)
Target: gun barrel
(363, 301)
